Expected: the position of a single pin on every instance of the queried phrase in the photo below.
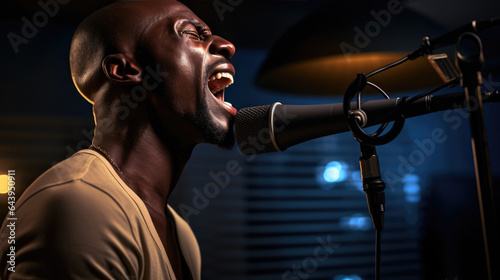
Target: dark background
(270, 216)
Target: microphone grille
(251, 127)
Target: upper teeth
(222, 75)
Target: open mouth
(218, 82)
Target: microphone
(276, 127)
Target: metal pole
(470, 61)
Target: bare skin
(152, 141)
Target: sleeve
(71, 231)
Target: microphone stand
(368, 162)
(470, 67)
(375, 196)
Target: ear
(121, 69)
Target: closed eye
(192, 33)
(194, 29)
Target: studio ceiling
(258, 23)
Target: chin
(221, 137)
(227, 142)
(212, 130)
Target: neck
(150, 165)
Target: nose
(223, 47)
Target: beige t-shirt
(79, 220)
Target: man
(155, 76)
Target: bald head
(155, 64)
(114, 29)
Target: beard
(214, 134)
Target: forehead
(172, 13)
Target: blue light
(335, 172)
(356, 180)
(356, 222)
(411, 187)
(347, 277)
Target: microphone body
(271, 128)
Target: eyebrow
(196, 24)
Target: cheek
(177, 102)
(182, 69)
(185, 92)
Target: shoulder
(75, 199)
(74, 231)
(83, 181)
(85, 166)
(70, 225)
(76, 196)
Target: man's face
(195, 69)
